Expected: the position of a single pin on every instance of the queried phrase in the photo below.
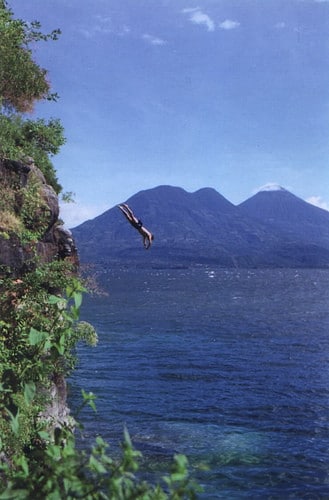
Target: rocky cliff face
(29, 224)
(31, 233)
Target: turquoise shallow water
(230, 367)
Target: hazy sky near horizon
(229, 94)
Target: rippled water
(230, 367)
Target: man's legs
(125, 212)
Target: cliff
(29, 224)
(31, 235)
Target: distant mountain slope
(200, 227)
(298, 220)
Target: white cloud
(100, 25)
(153, 40)
(74, 214)
(87, 33)
(228, 24)
(125, 30)
(270, 186)
(196, 16)
(318, 202)
(280, 26)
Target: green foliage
(24, 211)
(34, 212)
(68, 197)
(38, 331)
(22, 81)
(9, 223)
(16, 431)
(61, 471)
(21, 138)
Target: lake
(229, 366)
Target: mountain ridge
(287, 213)
(204, 226)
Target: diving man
(137, 224)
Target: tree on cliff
(22, 83)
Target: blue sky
(229, 94)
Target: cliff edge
(30, 229)
(31, 234)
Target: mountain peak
(203, 227)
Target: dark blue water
(230, 367)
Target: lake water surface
(230, 367)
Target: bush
(60, 471)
